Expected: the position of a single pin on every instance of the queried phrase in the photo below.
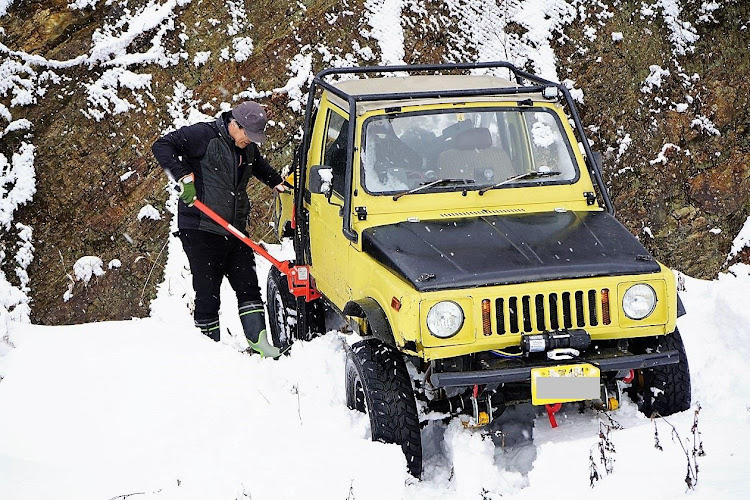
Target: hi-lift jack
(299, 279)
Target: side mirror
(321, 179)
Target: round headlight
(639, 301)
(445, 319)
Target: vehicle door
(329, 248)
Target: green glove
(187, 189)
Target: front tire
(282, 310)
(666, 389)
(378, 384)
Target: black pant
(212, 257)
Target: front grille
(547, 312)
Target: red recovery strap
(298, 277)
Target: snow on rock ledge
(88, 266)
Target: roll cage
(301, 233)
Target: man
(213, 163)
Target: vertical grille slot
(593, 320)
(553, 317)
(539, 302)
(526, 302)
(580, 320)
(500, 316)
(513, 314)
(567, 320)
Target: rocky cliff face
(99, 81)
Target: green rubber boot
(253, 318)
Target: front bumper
(522, 373)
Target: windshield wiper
(525, 175)
(427, 185)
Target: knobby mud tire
(378, 384)
(283, 313)
(279, 303)
(664, 390)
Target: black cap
(252, 118)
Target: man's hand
(281, 187)
(187, 189)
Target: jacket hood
(499, 250)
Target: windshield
(483, 146)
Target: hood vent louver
(484, 211)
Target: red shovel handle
(281, 266)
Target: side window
(335, 154)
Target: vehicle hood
(505, 249)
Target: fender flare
(369, 309)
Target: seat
(472, 154)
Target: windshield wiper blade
(427, 185)
(525, 175)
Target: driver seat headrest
(474, 138)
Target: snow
(301, 68)
(4, 5)
(705, 125)
(82, 4)
(17, 182)
(682, 34)
(654, 79)
(190, 418)
(243, 48)
(741, 241)
(127, 175)
(201, 58)
(662, 156)
(617, 36)
(148, 212)
(624, 145)
(103, 96)
(480, 34)
(384, 18)
(87, 267)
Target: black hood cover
(505, 249)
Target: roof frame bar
(301, 234)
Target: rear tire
(378, 384)
(283, 312)
(666, 389)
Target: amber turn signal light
(605, 306)
(486, 327)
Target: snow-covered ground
(153, 408)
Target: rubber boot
(253, 318)
(209, 328)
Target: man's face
(238, 134)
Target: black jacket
(221, 171)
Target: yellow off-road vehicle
(461, 221)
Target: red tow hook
(629, 378)
(551, 410)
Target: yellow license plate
(564, 383)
